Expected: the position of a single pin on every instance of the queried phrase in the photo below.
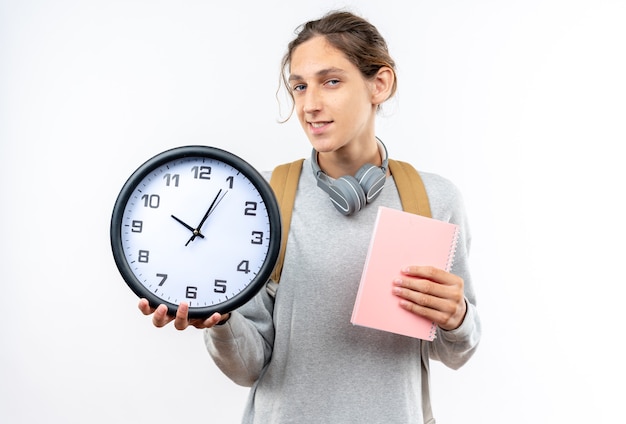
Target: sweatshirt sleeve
(243, 345)
(455, 347)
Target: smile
(318, 124)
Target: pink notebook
(400, 239)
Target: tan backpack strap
(410, 187)
(415, 199)
(284, 182)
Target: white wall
(521, 103)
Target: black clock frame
(266, 192)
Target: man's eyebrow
(320, 73)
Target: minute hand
(214, 204)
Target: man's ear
(382, 85)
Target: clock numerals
(257, 237)
(191, 292)
(171, 179)
(151, 201)
(136, 226)
(144, 256)
(219, 286)
(163, 277)
(250, 209)
(201, 172)
(244, 266)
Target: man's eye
(332, 82)
(298, 87)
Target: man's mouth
(318, 124)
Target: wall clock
(196, 224)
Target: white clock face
(195, 229)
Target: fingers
(430, 281)
(420, 296)
(182, 321)
(159, 315)
(160, 318)
(431, 273)
(209, 322)
(144, 307)
(432, 293)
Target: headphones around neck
(350, 193)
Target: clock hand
(187, 226)
(214, 204)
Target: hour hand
(189, 227)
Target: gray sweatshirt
(294, 345)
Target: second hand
(214, 204)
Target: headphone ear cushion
(347, 195)
(371, 179)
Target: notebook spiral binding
(432, 334)
(450, 260)
(433, 328)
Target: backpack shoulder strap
(284, 182)
(410, 187)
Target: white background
(521, 103)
